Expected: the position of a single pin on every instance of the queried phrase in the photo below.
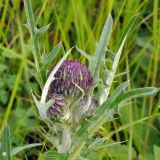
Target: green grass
(80, 23)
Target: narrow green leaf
(43, 57)
(83, 53)
(43, 29)
(53, 140)
(156, 152)
(97, 142)
(112, 104)
(111, 54)
(105, 145)
(128, 28)
(99, 55)
(36, 101)
(112, 72)
(107, 104)
(21, 148)
(50, 155)
(5, 153)
(135, 93)
(48, 59)
(34, 73)
(91, 123)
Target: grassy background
(79, 22)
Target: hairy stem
(91, 130)
(66, 140)
(34, 37)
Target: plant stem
(34, 37)
(91, 130)
(66, 140)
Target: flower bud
(59, 105)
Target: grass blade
(5, 153)
(128, 28)
(20, 149)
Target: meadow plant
(76, 99)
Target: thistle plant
(76, 99)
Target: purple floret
(71, 71)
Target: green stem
(91, 130)
(65, 141)
(34, 37)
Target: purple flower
(59, 105)
(71, 72)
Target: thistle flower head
(70, 73)
(59, 105)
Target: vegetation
(118, 41)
